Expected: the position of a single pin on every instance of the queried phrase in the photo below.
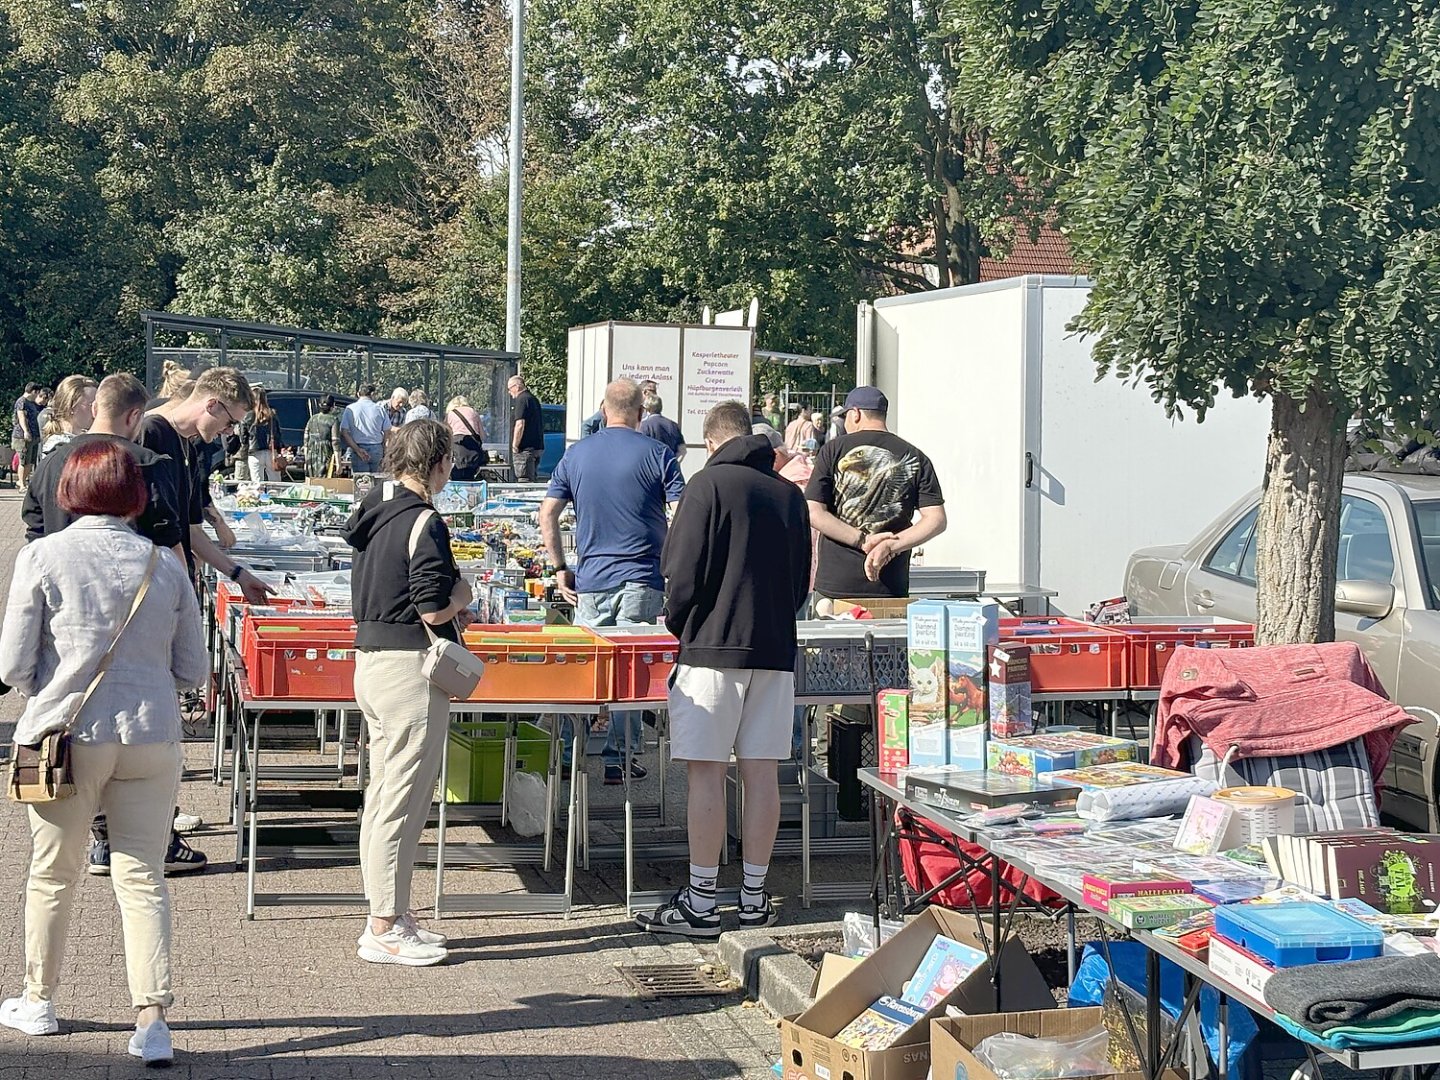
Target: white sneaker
(31, 1017)
(188, 822)
(153, 1045)
(429, 937)
(399, 945)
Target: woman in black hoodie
(405, 587)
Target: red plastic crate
(1068, 656)
(309, 659)
(1153, 645)
(532, 665)
(643, 663)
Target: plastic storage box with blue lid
(1294, 934)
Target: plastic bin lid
(1302, 924)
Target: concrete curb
(771, 974)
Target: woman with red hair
(71, 593)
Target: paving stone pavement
(284, 996)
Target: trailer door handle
(1029, 469)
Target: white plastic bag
(527, 803)
(858, 934)
(1011, 1056)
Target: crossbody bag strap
(421, 520)
(105, 660)
(468, 428)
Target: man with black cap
(864, 495)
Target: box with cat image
(927, 626)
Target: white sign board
(649, 352)
(716, 368)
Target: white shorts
(716, 710)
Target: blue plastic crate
(1294, 934)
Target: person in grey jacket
(69, 594)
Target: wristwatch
(561, 567)
(863, 537)
(234, 574)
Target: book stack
(946, 964)
(1394, 872)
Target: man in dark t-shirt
(661, 428)
(527, 441)
(864, 494)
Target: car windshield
(1427, 527)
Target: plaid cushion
(1334, 788)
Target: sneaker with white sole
(31, 1017)
(429, 937)
(758, 916)
(678, 917)
(399, 945)
(181, 858)
(152, 1044)
(187, 822)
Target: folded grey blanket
(1322, 996)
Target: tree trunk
(1299, 522)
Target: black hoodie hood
(752, 450)
(377, 511)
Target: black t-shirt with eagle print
(874, 481)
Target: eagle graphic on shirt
(870, 486)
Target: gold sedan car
(1387, 602)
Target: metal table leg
(805, 816)
(441, 827)
(570, 825)
(254, 824)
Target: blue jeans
(376, 452)
(631, 604)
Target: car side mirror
(1368, 599)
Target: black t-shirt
(874, 481)
(527, 408)
(159, 435)
(158, 523)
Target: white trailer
(1051, 477)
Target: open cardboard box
(807, 1042)
(952, 1040)
(341, 485)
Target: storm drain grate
(652, 981)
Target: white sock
(702, 888)
(752, 892)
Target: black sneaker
(615, 775)
(758, 916)
(99, 861)
(678, 917)
(182, 858)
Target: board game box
(1149, 912)
(926, 624)
(881, 1024)
(971, 629)
(1009, 690)
(893, 709)
(1037, 754)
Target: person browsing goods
(620, 482)
(864, 494)
(363, 427)
(737, 566)
(527, 439)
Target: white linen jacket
(69, 593)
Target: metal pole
(517, 156)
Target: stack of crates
(475, 771)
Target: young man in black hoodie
(737, 566)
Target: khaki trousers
(135, 787)
(407, 720)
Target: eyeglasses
(229, 416)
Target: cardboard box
(1241, 969)
(952, 1041)
(926, 622)
(893, 709)
(341, 485)
(1009, 692)
(808, 1048)
(887, 607)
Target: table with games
(1193, 928)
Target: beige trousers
(135, 787)
(407, 720)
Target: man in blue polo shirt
(620, 482)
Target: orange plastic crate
(643, 662)
(1068, 656)
(523, 664)
(1152, 645)
(310, 659)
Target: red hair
(102, 478)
